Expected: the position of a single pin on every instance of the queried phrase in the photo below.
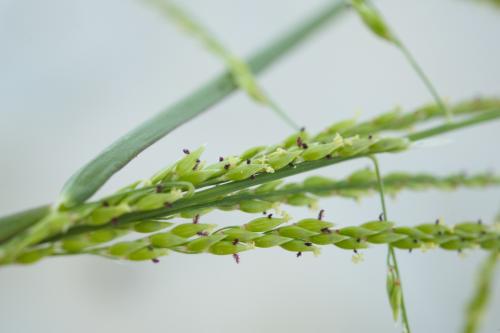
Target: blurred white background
(75, 75)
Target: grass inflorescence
(252, 182)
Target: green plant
(252, 181)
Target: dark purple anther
(236, 257)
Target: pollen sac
(148, 226)
(227, 247)
(296, 232)
(372, 19)
(187, 163)
(292, 140)
(390, 145)
(202, 244)
(299, 246)
(244, 171)
(250, 153)
(103, 215)
(270, 240)
(263, 224)
(158, 200)
(314, 225)
(255, 206)
(146, 253)
(32, 256)
(190, 229)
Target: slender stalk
(425, 79)
(388, 34)
(391, 255)
(241, 72)
(480, 118)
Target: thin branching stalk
(394, 280)
(241, 72)
(374, 20)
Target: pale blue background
(75, 75)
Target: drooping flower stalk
(394, 280)
(373, 19)
(240, 71)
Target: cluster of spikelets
(265, 232)
(190, 187)
(345, 139)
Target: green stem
(480, 118)
(391, 255)
(425, 79)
